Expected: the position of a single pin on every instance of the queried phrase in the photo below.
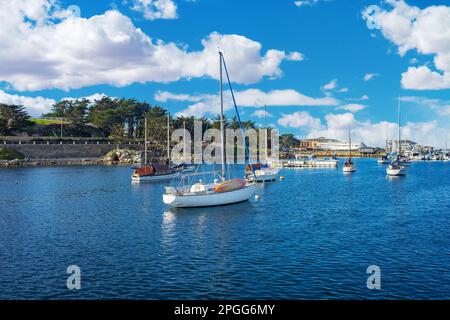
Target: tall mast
(222, 136)
(387, 137)
(146, 141)
(265, 113)
(349, 144)
(399, 138)
(168, 137)
(184, 141)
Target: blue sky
(331, 37)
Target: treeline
(115, 119)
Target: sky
(319, 66)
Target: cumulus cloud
(425, 30)
(261, 114)
(208, 103)
(442, 107)
(300, 119)
(156, 9)
(45, 47)
(34, 105)
(295, 56)
(335, 126)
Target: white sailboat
(218, 192)
(384, 159)
(184, 167)
(349, 166)
(395, 168)
(154, 172)
(262, 172)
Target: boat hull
(264, 175)
(155, 178)
(210, 200)
(349, 169)
(395, 172)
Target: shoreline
(60, 163)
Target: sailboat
(219, 192)
(154, 172)
(349, 166)
(185, 167)
(262, 172)
(396, 168)
(384, 159)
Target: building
(406, 145)
(311, 144)
(340, 146)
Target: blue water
(311, 236)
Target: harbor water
(311, 236)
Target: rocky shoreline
(114, 157)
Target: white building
(339, 145)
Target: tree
(13, 118)
(288, 141)
(104, 115)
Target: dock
(310, 163)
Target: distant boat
(396, 168)
(218, 192)
(262, 173)
(349, 166)
(383, 160)
(154, 172)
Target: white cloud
(261, 114)
(35, 106)
(40, 51)
(425, 30)
(295, 56)
(353, 107)
(300, 119)
(207, 103)
(369, 76)
(156, 9)
(332, 85)
(164, 96)
(364, 97)
(373, 134)
(308, 3)
(442, 107)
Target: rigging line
(238, 116)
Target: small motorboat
(261, 173)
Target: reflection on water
(310, 236)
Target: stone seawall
(67, 151)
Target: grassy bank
(9, 154)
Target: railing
(64, 141)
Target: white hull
(395, 172)
(349, 168)
(383, 161)
(211, 199)
(265, 175)
(155, 178)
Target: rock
(122, 156)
